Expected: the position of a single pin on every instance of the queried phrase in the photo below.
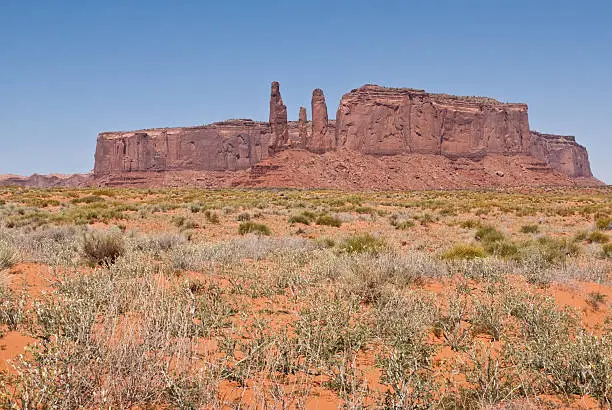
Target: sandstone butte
(382, 138)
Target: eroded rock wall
(370, 120)
(389, 121)
(229, 145)
(562, 153)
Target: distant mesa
(458, 142)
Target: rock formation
(229, 145)
(302, 125)
(371, 121)
(390, 121)
(278, 119)
(562, 153)
(321, 139)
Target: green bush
(299, 219)
(211, 217)
(365, 243)
(469, 224)
(103, 247)
(530, 229)
(252, 227)
(463, 251)
(90, 199)
(604, 223)
(548, 250)
(184, 223)
(502, 249)
(488, 234)
(597, 237)
(328, 220)
(404, 225)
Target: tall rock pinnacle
(278, 119)
(302, 130)
(321, 140)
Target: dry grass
(178, 309)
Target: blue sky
(71, 69)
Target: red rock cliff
(562, 153)
(370, 120)
(229, 145)
(389, 121)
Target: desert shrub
(103, 247)
(469, 224)
(604, 223)
(365, 210)
(12, 308)
(93, 357)
(606, 250)
(364, 243)
(502, 249)
(89, 199)
(488, 234)
(8, 254)
(425, 219)
(328, 220)
(400, 222)
(561, 356)
(547, 251)
(55, 245)
(243, 217)
(404, 225)
(597, 237)
(300, 219)
(463, 251)
(211, 217)
(403, 321)
(154, 244)
(327, 333)
(252, 227)
(530, 229)
(184, 223)
(196, 207)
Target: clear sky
(71, 69)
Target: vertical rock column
(302, 129)
(321, 140)
(278, 120)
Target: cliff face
(370, 120)
(391, 121)
(229, 145)
(562, 153)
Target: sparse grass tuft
(328, 220)
(597, 237)
(530, 229)
(365, 243)
(463, 251)
(252, 227)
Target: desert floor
(317, 299)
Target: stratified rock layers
(370, 120)
(390, 121)
(224, 146)
(562, 153)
